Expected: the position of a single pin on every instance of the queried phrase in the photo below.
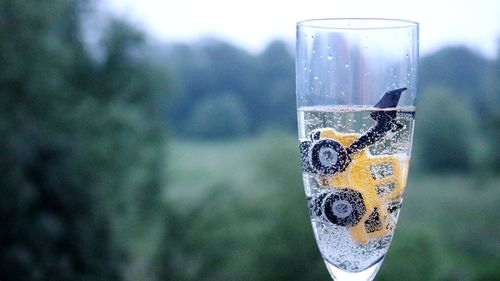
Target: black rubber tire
(329, 157)
(344, 207)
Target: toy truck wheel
(344, 207)
(328, 157)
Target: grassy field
(449, 225)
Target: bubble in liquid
(347, 65)
(315, 77)
(330, 57)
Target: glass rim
(345, 23)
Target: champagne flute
(356, 85)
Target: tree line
(222, 91)
(82, 144)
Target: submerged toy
(365, 188)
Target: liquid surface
(375, 177)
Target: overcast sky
(252, 24)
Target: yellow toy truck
(361, 190)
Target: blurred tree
(445, 133)
(276, 93)
(460, 70)
(490, 273)
(494, 159)
(220, 116)
(493, 121)
(210, 240)
(413, 255)
(492, 85)
(263, 83)
(81, 146)
(49, 229)
(473, 80)
(211, 68)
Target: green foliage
(220, 116)
(413, 255)
(275, 96)
(263, 85)
(211, 67)
(49, 229)
(211, 240)
(461, 71)
(445, 133)
(461, 212)
(494, 137)
(81, 149)
(490, 273)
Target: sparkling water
(354, 237)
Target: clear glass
(356, 82)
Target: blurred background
(148, 140)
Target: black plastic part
(373, 223)
(344, 207)
(315, 135)
(304, 157)
(329, 157)
(396, 126)
(390, 99)
(373, 135)
(385, 121)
